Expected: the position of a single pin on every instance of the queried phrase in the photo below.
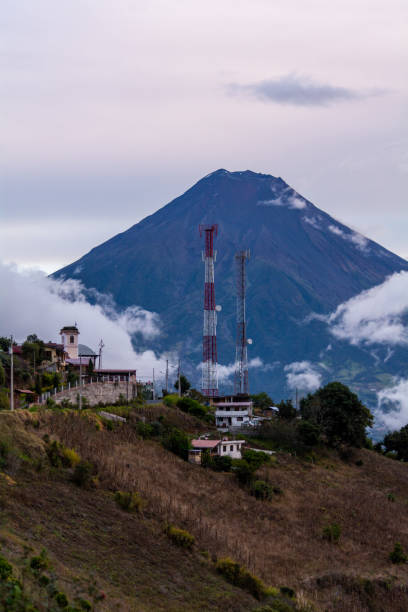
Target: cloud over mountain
(374, 316)
(34, 303)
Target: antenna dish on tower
(250, 341)
(218, 308)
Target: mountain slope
(302, 262)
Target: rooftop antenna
(209, 374)
(101, 345)
(241, 384)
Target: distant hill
(302, 261)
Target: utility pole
(11, 374)
(167, 376)
(80, 383)
(101, 345)
(154, 392)
(179, 378)
(296, 401)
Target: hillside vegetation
(326, 533)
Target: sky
(109, 109)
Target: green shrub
(332, 532)
(85, 605)
(82, 475)
(70, 457)
(170, 400)
(240, 576)
(4, 400)
(4, 452)
(61, 600)
(221, 463)
(177, 442)
(391, 497)
(191, 406)
(309, 433)
(144, 430)
(398, 556)
(43, 580)
(180, 537)
(262, 490)
(6, 569)
(254, 458)
(243, 471)
(131, 502)
(39, 562)
(287, 591)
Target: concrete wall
(94, 393)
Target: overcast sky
(111, 108)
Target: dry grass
(281, 541)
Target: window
(240, 418)
(224, 448)
(231, 447)
(71, 339)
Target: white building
(222, 448)
(232, 411)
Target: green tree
(90, 368)
(287, 411)
(56, 380)
(262, 400)
(2, 376)
(397, 441)
(4, 344)
(339, 413)
(184, 384)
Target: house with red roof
(221, 448)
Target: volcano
(303, 262)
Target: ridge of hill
(124, 561)
(302, 262)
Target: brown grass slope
(281, 541)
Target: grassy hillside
(125, 561)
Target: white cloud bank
(374, 316)
(302, 375)
(33, 303)
(393, 405)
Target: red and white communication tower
(210, 379)
(241, 384)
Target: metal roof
(85, 351)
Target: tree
(397, 441)
(184, 383)
(287, 411)
(262, 400)
(4, 344)
(90, 368)
(2, 376)
(339, 414)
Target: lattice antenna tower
(241, 384)
(209, 376)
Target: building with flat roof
(232, 411)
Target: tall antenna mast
(210, 379)
(241, 354)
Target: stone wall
(106, 392)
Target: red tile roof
(205, 443)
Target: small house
(221, 448)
